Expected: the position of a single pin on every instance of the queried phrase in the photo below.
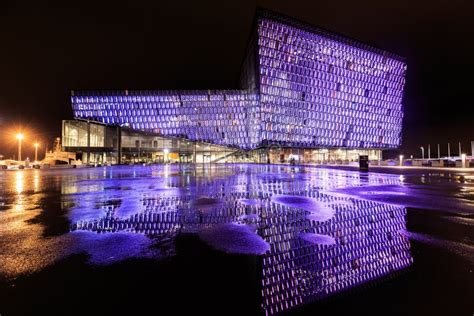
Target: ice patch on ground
(318, 239)
(320, 211)
(109, 248)
(234, 238)
(129, 206)
(84, 210)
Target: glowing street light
(20, 137)
(36, 151)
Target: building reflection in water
(367, 246)
(319, 243)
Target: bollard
(364, 163)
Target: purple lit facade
(300, 87)
(318, 89)
(226, 117)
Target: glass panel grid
(301, 88)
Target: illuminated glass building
(302, 88)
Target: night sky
(48, 49)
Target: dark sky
(49, 48)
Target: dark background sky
(49, 48)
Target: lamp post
(422, 152)
(36, 151)
(449, 151)
(463, 159)
(401, 160)
(20, 137)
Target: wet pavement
(235, 239)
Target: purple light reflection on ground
(318, 239)
(147, 213)
(249, 218)
(250, 202)
(205, 203)
(234, 238)
(319, 211)
(109, 248)
(388, 193)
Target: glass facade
(99, 143)
(82, 134)
(300, 87)
(321, 90)
(219, 117)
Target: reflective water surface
(272, 239)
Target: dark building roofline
(145, 92)
(259, 13)
(285, 19)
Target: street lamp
(20, 137)
(422, 152)
(401, 160)
(36, 151)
